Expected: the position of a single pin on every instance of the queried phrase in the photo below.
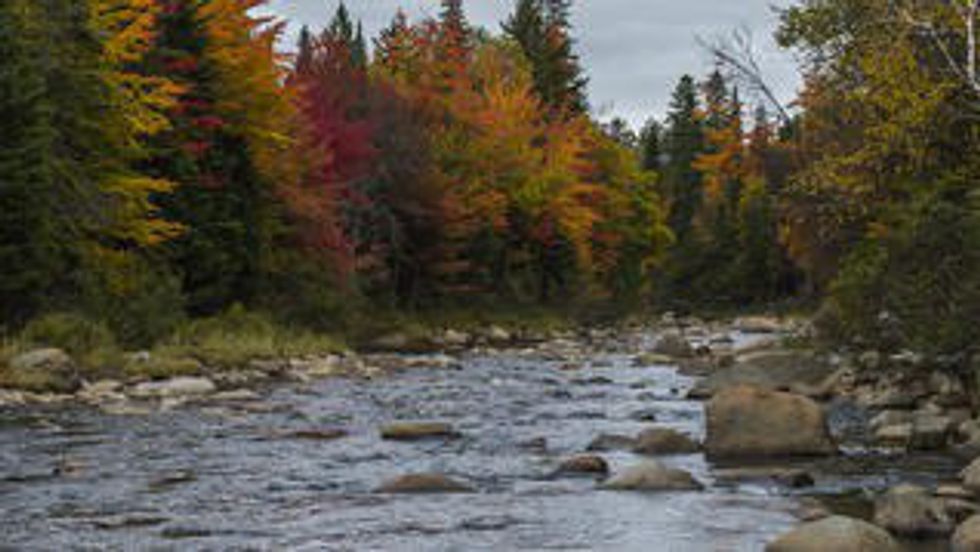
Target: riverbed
(238, 476)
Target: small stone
(673, 345)
(894, 435)
(237, 395)
(652, 476)
(424, 483)
(930, 432)
(664, 441)
(318, 434)
(954, 491)
(175, 387)
(584, 464)
(415, 431)
(609, 442)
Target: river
(232, 477)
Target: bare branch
(737, 55)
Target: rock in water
(967, 536)
(608, 441)
(836, 534)
(652, 476)
(673, 345)
(587, 464)
(664, 441)
(777, 369)
(911, 511)
(416, 431)
(747, 422)
(175, 387)
(424, 483)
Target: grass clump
(233, 339)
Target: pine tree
(219, 194)
(685, 141)
(29, 236)
(651, 145)
(542, 28)
(304, 51)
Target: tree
(682, 185)
(75, 125)
(651, 145)
(543, 31)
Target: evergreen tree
(29, 237)
(651, 145)
(219, 197)
(304, 51)
(542, 28)
(684, 142)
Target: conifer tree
(543, 30)
(29, 236)
(219, 195)
(684, 142)
(304, 51)
(651, 145)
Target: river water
(228, 477)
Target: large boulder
(779, 369)
(174, 388)
(836, 533)
(42, 371)
(417, 431)
(664, 441)
(967, 536)
(912, 511)
(748, 422)
(424, 483)
(652, 476)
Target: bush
(140, 304)
(916, 285)
(75, 334)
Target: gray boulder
(656, 441)
(773, 370)
(837, 534)
(652, 476)
(911, 511)
(748, 422)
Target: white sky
(633, 50)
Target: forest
(163, 162)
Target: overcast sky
(633, 50)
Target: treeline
(161, 159)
